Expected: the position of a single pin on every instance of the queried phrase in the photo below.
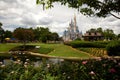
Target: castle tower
(75, 23)
(72, 31)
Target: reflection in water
(7, 61)
(35, 60)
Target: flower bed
(99, 52)
(91, 69)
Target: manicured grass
(6, 47)
(66, 51)
(42, 50)
(58, 50)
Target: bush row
(112, 47)
(87, 44)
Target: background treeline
(39, 34)
(108, 34)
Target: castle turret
(75, 23)
(72, 32)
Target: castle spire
(74, 18)
(75, 24)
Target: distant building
(93, 36)
(72, 31)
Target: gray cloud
(45, 20)
(2, 17)
(16, 13)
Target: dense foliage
(44, 35)
(100, 8)
(1, 33)
(32, 48)
(87, 44)
(108, 34)
(93, 69)
(97, 48)
(113, 48)
(23, 35)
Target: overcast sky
(25, 13)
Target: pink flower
(84, 62)
(112, 70)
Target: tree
(118, 36)
(8, 34)
(92, 30)
(0, 24)
(24, 35)
(37, 34)
(100, 8)
(45, 33)
(42, 34)
(100, 30)
(109, 34)
(54, 36)
(1, 33)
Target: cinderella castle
(72, 31)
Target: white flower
(26, 63)
(12, 72)
(18, 60)
(48, 65)
(27, 59)
(3, 65)
(68, 77)
(92, 73)
(64, 73)
(1, 62)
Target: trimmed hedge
(113, 48)
(86, 44)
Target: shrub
(32, 48)
(113, 48)
(23, 48)
(91, 69)
(86, 44)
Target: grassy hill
(58, 49)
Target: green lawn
(6, 47)
(66, 51)
(59, 49)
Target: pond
(25, 57)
